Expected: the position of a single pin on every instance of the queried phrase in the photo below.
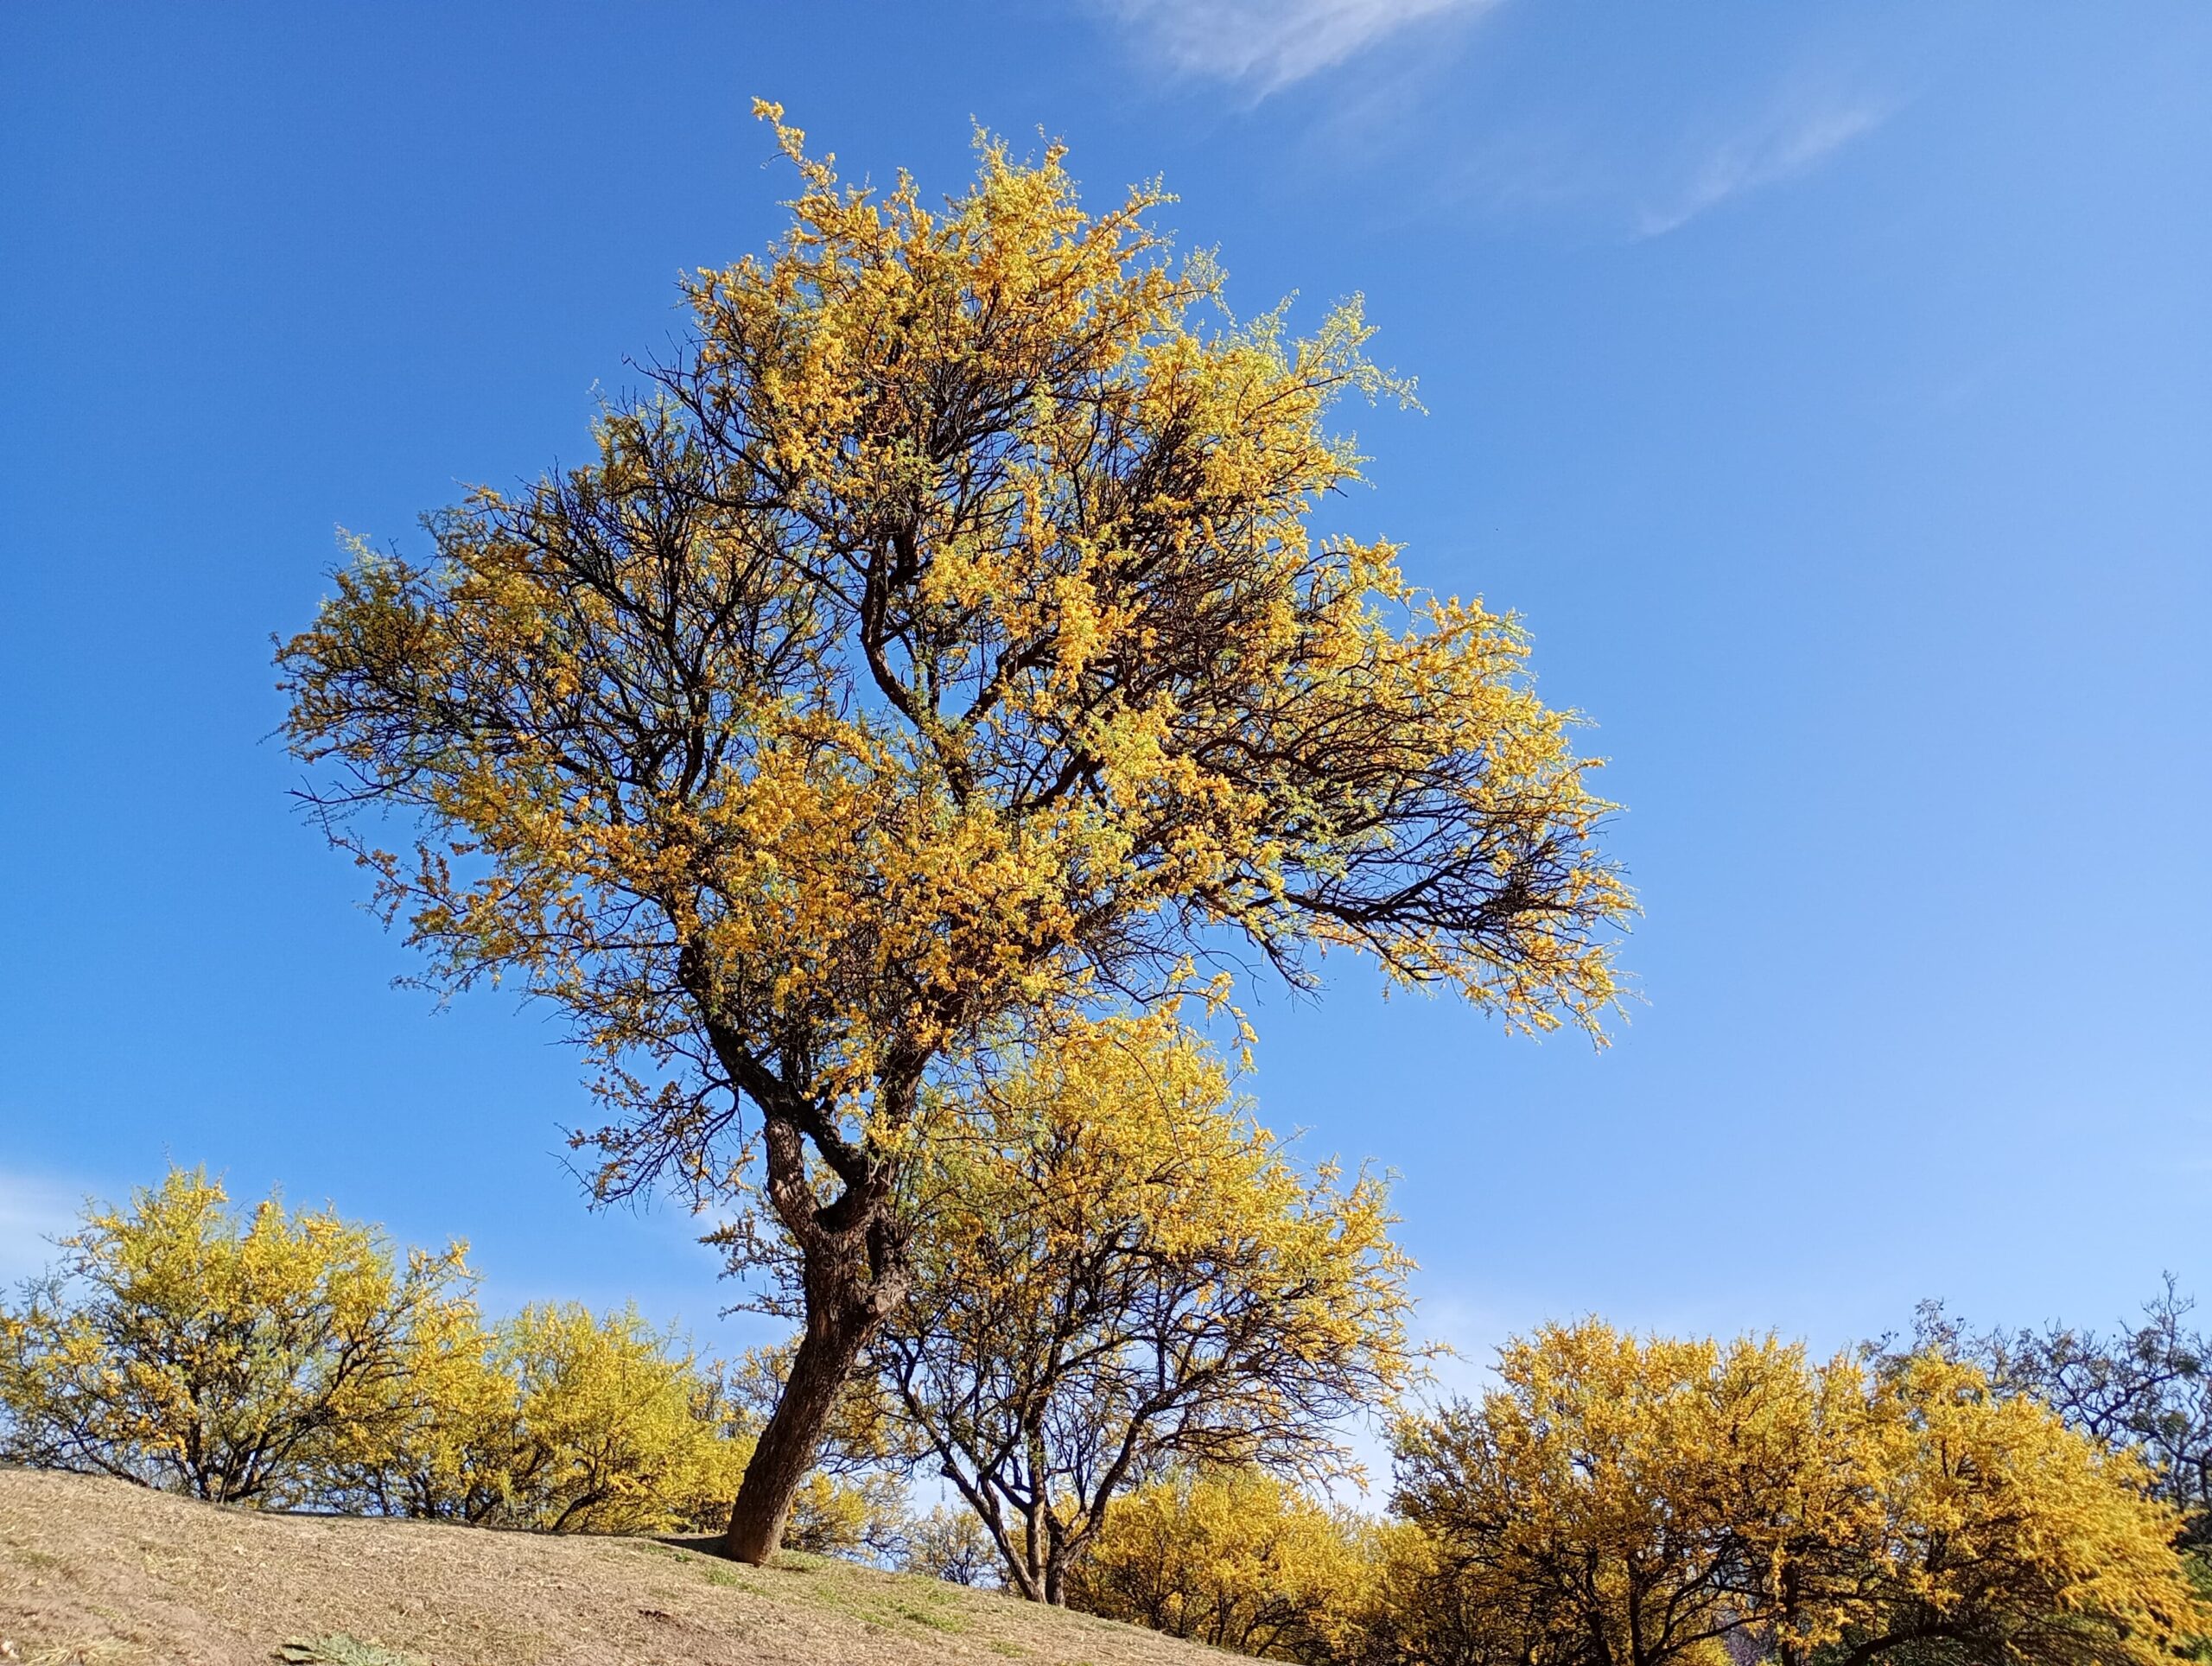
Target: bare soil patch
(105, 1573)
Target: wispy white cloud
(1266, 45)
(1795, 138)
(33, 1212)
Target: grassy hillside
(99, 1572)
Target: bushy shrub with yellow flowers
(295, 1359)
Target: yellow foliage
(2003, 1531)
(180, 1345)
(563, 1421)
(1601, 1492)
(1657, 1498)
(292, 1360)
(946, 642)
(862, 1517)
(614, 1431)
(1123, 1269)
(1234, 1558)
(444, 1443)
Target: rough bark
(788, 1446)
(853, 1273)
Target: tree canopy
(181, 1344)
(1233, 1557)
(944, 640)
(295, 1359)
(2146, 1385)
(1621, 1501)
(1125, 1272)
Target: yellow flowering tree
(1638, 1500)
(1124, 1272)
(2146, 1384)
(861, 1518)
(615, 1429)
(1237, 1558)
(2006, 1536)
(944, 643)
(556, 1420)
(1602, 1503)
(180, 1345)
(444, 1438)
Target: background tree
(179, 1345)
(2146, 1386)
(1124, 1272)
(2007, 1536)
(443, 1443)
(1620, 1501)
(946, 642)
(1235, 1558)
(1416, 1612)
(555, 1419)
(299, 1360)
(616, 1430)
(859, 1517)
(950, 1544)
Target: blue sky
(1830, 388)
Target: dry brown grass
(108, 1574)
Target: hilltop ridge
(102, 1573)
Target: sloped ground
(109, 1575)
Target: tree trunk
(790, 1443)
(853, 1273)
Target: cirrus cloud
(1791, 140)
(1266, 44)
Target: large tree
(946, 639)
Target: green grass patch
(339, 1650)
